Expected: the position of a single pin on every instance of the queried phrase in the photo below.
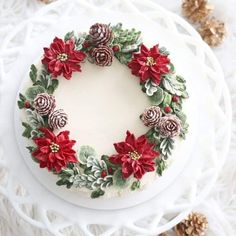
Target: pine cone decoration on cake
(169, 126)
(213, 32)
(44, 104)
(100, 34)
(151, 116)
(195, 225)
(102, 55)
(196, 10)
(57, 119)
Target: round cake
(104, 112)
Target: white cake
(101, 104)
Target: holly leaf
(27, 131)
(97, 193)
(21, 101)
(33, 73)
(33, 91)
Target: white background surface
(220, 206)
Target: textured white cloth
(220, 205)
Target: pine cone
(44, 104)
(57, 119)
(213, 32)
(151, 116)
(195, 225)
(101, 34)
(102, 55)
(169, 126)
(196, 10)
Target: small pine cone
(169, 126)
(44, 104)
(100, 34)
(196, 10)
(102, 55)
(151, 116)
(195, 224)
(57, 119)
(213, 32)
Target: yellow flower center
(62, 57)
(150, 61)
(134, 155)
(54, 147)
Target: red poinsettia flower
(62, 58)
(135, 155)
(149, 64)
(54, 152)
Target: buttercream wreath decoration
(134, 156)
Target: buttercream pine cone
(213, 32)
(195, 224)
(196, 10)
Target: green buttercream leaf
(33, 73)
(157, 97)
(33, 91)
(85, 152)
(167, 99)
(27, 131)
(97, 193)
(118, 180)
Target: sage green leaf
(69, 35)
(85, 152)
(33, 91)
(167, 99)
(157, 97)
(118, 179)
(34, 119)
(54, 84)
(172, 85)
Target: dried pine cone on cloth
(46, 1)
(196, 10)
(194, 225)
(102, 55)
(213, 32)
(100, 34)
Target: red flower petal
(140, 68)
(59, 158)
(57, 66)
(135, 156)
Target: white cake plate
(193, 59)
